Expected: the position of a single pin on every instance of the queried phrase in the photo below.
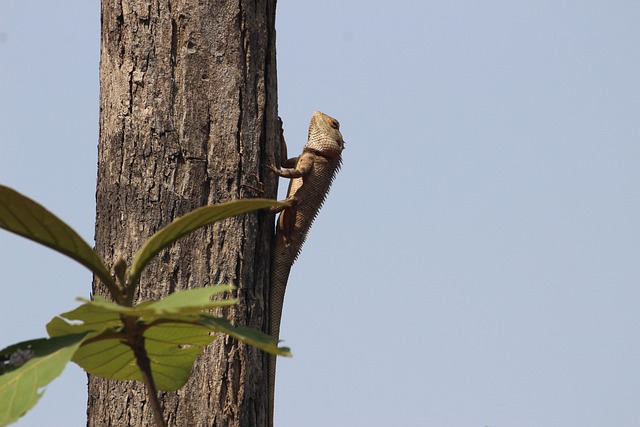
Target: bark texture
(188, 116)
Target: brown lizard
(311, 176)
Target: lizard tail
(279, 276)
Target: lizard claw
(273, 169)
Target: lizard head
(324, 135)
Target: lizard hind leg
(287, 219)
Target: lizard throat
(329, 155)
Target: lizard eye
(335, 124)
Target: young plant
(153, 341)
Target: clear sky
(480, 246)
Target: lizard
(311, 176)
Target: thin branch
(135, 339)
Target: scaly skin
(311, 176)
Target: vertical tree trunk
(188, 111)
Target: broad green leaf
(94, 318)
(245, 334)
(187, 223)
(100, 314)
(32, 364)
(23, 216)
(193, 300)
(176, 332)
(183, 301)
(172, 348)
(107, 355)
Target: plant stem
(136, 342)
(151, 391)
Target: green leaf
(245, 334)
(171, 347)
(186, 224)
(193, 300)
(23, 216)
(35, 364)
(175, 331)
(94, 319)
(183, 301)
(99, 315)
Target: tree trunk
(188, 115)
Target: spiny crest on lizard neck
(324, 135)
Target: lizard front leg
(287, 219)
(302, 167)
(285, 162)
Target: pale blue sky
(480, 247)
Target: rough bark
(188, 116)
